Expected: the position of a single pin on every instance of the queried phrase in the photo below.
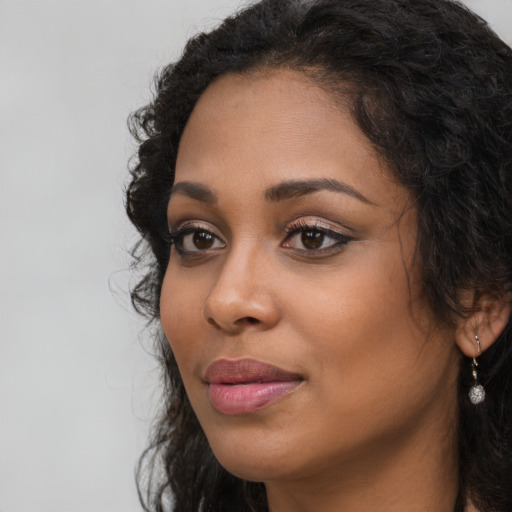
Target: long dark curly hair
(430, 85)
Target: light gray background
(77, 387)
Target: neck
(416, 471)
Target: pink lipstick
(243, 386)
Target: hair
(430, 85)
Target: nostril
(247, 320)
(212, 322)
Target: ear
(491, 315)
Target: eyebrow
(280, 192)
(299, 188)
(195, 191)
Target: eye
(314, 238)
(191, 239)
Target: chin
(254, 458)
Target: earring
(477, 391)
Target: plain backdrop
(77, 385)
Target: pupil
(312, 239)
(203, 240)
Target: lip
(243, 386)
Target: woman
(325, 187)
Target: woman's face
(291, 300)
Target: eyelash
(303, 226)
(177, 237)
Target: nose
(242, 297)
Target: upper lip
(228, 371)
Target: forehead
(276, 125)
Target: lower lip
(247, 398)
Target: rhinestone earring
(477, 391)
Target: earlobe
(486, 323)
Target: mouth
(246, 385)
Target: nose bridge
(241, 295)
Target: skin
(372, 426)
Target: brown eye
(312, 239)
(203, 240)
(194, 240)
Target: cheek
(181, 315)
(367, 332)
(365, 299)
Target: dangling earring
(477, 391)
